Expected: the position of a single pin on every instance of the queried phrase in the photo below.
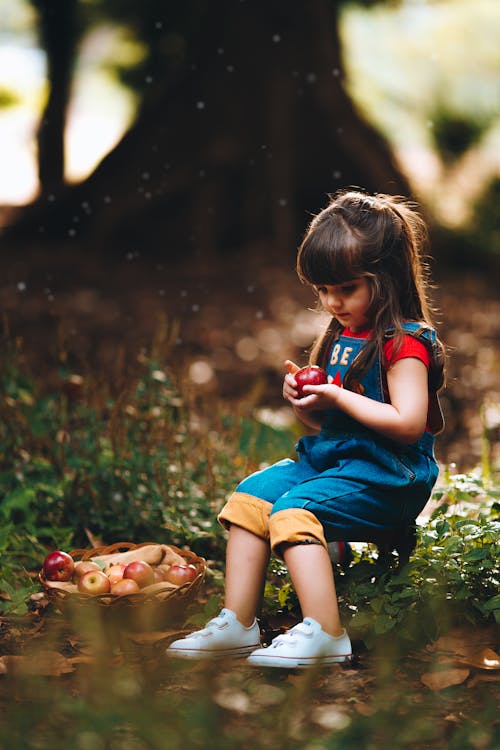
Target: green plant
(79, 462)
(452, 577)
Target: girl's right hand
(290, 392)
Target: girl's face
(347, 302)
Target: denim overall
(348, 476)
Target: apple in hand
(180, 574)
(83, 567)
(58, 566)
(94, 582)
(125, 586)
(115, 572)
(140, 572)
(310, 375)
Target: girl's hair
(380, 238)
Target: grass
(79, 460)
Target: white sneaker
(221, 637)
(304, 645)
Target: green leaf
(478, 553)
(383, 624)
(492, 605)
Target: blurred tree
(244, 126)
(58, 35)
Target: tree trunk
(58, 36)
(241, 147)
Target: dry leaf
(46, 663)
(483, 677)
(155, 636)
(445, 678)
(364, 709)
(486, 659)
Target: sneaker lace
(292, 637)
(216, 623)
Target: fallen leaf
(444, 678)
(364, 709)
(46, 663)
(483, 677)
(155, 636)
(486, 659)
(330, 717)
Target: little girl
(371, 463)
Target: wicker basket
(150, 607)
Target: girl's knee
(247, 511)
(294, 526)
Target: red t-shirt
(410, 347)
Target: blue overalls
(346, 479)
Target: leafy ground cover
(82, 461)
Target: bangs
(327, 257)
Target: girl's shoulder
(417, 328)
(424, 333)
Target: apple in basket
(94, 582)
(140, 572)
(115, 572)
(58, 566)
(310, 375)
(180, 574)
(83, 567)
(125, 586)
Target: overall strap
(427, 336)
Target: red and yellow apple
(83, 567)
(140, 572)
(94, 582)
(58, 566)
(115, 572)
(125, 586)
(310, 375)
(180, 574)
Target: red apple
(125, 586)
(83, 567)
(140, 572)
(94, 582)
(180, 574)
(58, 566)
(310, 375)
(115, 572)
(159, 576)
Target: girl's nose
(333, 301)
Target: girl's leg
(247, 557)
(235, 631)
(311, 572)
(319, 638)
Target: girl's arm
(308, 417)
(403, 419)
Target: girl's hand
(290, 392)
(309, 409)
(317, 398)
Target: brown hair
(381, 238)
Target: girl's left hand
(317, 398)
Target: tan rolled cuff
(295, 526)
(247, 511)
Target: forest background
(160, 163)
